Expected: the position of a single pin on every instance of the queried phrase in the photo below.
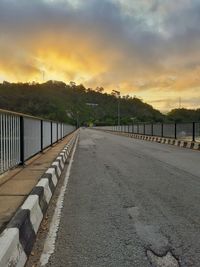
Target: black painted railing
(23, 136)
(184, 131)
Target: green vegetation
(58, 101)
(69, 103)
(184, 115)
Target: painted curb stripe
(11, 252)
(62, 162)
(17, 240)
(39, 191)
(22, 221)
(57, 167)
(53, 178)
(44, 182)
(36, 215)
(170, 141)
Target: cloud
(144, 46)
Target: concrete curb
(17, 240)
(162, 140)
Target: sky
(144, 48)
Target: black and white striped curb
(17, 240)
(162, 140)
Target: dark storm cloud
(102, 23)
(136, 44)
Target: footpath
(16, 184)
(25, 194)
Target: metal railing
(23, 136)
(182, 131)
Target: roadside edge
(16, 241)
(162, 140)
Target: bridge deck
(16, 184)
(126, 197)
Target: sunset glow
(147, 48)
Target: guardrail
(182, 131)
(23, 136)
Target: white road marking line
(49, 245)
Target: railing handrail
(190, 130)
(22, 136)
(9, 112)
(172, 122)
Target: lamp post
(133, 119)
(77, 119)
(93, 105)
(117, 94)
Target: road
(130, 203)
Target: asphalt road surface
(130, 203)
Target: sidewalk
(18, 183)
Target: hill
(184, 115)
(59, 101)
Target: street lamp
(77, 119)
(117, 94)
(93, 105)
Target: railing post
(161, 129)
(193, 131)
(51, 133)
(57, 131)
(22, 140)
(175, 130)
(138, 128)
(41, 125)
(152, 129)
(144, 129)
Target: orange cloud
(104, 43)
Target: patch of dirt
(167, 260)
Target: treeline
(184, 115)
(71, 103)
